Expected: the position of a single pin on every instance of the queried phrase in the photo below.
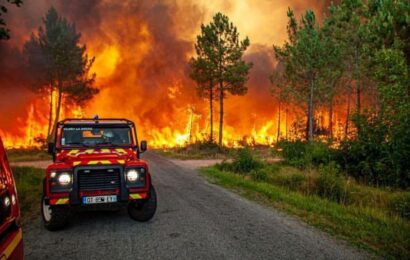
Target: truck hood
(100, 156)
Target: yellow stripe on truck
(14, 243)
(62, 201)
(120, 150)
(135, 196)
(99, 162)
(73, 152)
(76, 163)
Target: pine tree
(60, 64)
(220, 55)
(305, 57)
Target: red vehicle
(96, 162)
(11, 235)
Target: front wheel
(143, 210)
(54, 217)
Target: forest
(356, 58)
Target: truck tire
(143, 210)
(54, 217)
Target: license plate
(99, 199)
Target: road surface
(194, 220)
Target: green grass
(29, 190)
(367, 227)
(26, 155)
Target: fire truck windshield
(95, 136)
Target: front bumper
(74, 197)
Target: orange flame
(142, 52)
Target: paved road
(195, 220)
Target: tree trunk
(358, 94)
(191, 118)
(211, 112)
(221, 112)
(310, 113)
(331, 120)
(58, 107)
(286, 123)
(347, 116)
(50, 116)
(358, 83)
(278, 134)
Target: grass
(29, 190)
(26, 155)
(203, 151)
(364, 222)
(197, 151)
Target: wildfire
(142, 52)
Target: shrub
(330, 185)
(292, 152)
(319, 152)
(377, 156)
(224, 166)
(304, 154)
(260, 175)
(272, 168)
(294, 181)
(245, 161)
(401, 205)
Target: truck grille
(98, 179)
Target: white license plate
(100, 199)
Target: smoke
(142, 49)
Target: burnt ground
(194, 220)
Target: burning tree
(60, 65)
(219, 65)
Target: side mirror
(143, 146)
(51, 148)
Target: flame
(141, 55)
(32, 128)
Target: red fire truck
(11, 235)
(96, 163)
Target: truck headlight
(132, 175)
(61, 181)
(64, 179)
(135, 177)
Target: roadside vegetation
(196, 151)
(207, 151)
(27, 155)
(28, 182)
(310, 185)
